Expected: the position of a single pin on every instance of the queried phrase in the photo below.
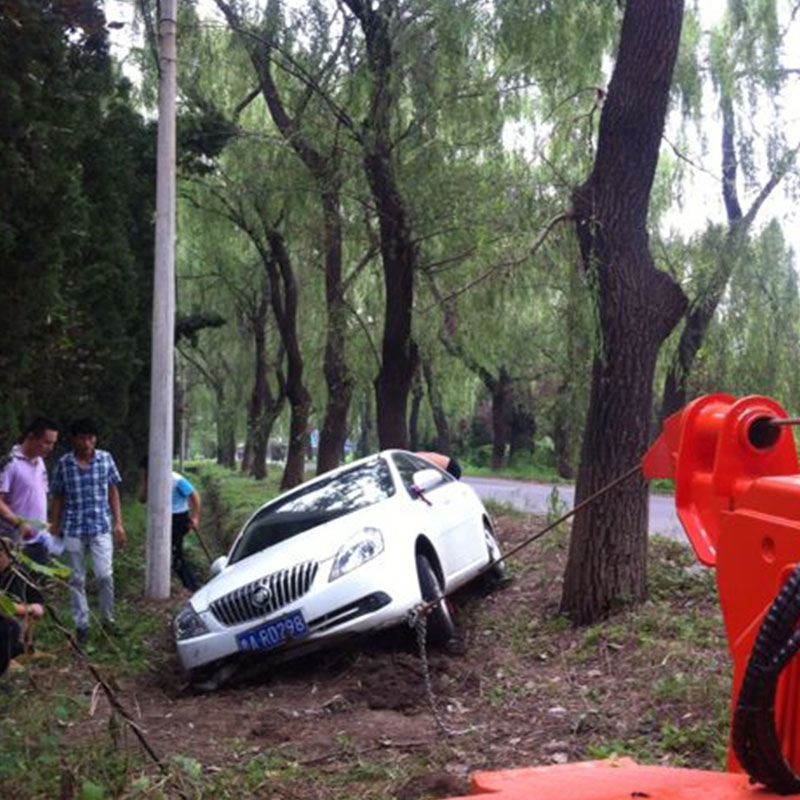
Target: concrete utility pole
(159, 473)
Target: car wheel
(210, 679)
(441, 627)
(498, 569)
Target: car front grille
(266, 595)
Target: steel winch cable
(423, 609)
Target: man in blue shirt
(86, 510)
(185, 517)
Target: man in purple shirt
(23, 489)
(86, 510)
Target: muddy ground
(517, 687)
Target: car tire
(441, 627)
(205, 679)
(497, 571)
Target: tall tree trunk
(501, 408)
(365, 444)
(284, 305)
(417, 395)
(399, 351)
(443, 439)
(338, 376)
(247, 453)
(522, 427)
(294, 472)
(398, 253)
(561, 434)
(226, 445)
(638, 306)
(256, 438)
(226, 432)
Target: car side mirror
(218, 564)
(425, 479)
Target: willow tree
(216, 275)
(272, 47)
(637, 307)
(753, 342)
(745, 57)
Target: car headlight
(188, 623)
(357, 550)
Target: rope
(423, 609)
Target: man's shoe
(82, 635)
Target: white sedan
(351, 551)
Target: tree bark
(226, 432)
(338, 375)
(561, 434)
(522, 427)
(257, 441)
(284, 305)
(417, 395)
(638, 306)
(444, 442)
(501, 409)
(399, 355)
(365, 444)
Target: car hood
(318, 544)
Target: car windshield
(315, 504)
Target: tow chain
(419, 622)
(418, 616)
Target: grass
(523, 472)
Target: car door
(451, 521)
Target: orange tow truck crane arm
(737, 492)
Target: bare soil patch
(518, 687)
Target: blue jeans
(101, 549)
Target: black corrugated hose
(755, 740)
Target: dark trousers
(37, 552)
(10, 642)
(180, 563)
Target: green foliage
(751, 346)
(230, 498)
(6, 605)
(76, 231)
(534, 470)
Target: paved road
(533, 497)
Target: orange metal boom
(737, 493)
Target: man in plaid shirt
(86, 510)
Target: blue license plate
(273, 634)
